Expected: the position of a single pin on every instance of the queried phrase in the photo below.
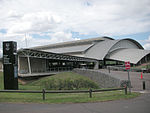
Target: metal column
(29, 65)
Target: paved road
(137, 105)
(135, 78)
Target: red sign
(127, 65)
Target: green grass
(1, 81)
(59, 98)
(65, 98)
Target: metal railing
(90, 91)
(121, 68)
(48, 70)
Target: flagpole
(26, 40)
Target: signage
(10, 64)
(6, 60)
(127, 65)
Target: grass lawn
(1, 81)
(60, 98)
(65, 98)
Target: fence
(122, 68)
(64, 91)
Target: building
(94, 53)
(102, 48)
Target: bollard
(43, 91)
(126, 91)
(109, 69)
(90, 92)
(141, 75)
(144, 85)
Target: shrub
(66, 81)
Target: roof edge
(74, 42)
(134, 41)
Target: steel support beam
(29, 65)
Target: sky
(39, 22)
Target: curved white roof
(132, 55)
(100, 48)
(77, 48)
(72, 43)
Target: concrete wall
(104, 80)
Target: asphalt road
(140, 104)
(136, 81)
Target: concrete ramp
(104, 80)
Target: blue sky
(43, 22)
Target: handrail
(54, 69)
(64, 91)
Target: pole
(29, 64)
(144, 85)
(43, 91)
(129, 82)
(126, 90)
(26, 40)
(90, 92)
(108, 69)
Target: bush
(66, 81)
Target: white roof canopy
(132, 55)
(77, 48)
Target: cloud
(147, 44)
(35, 22)
(28, 40)
(56, 19)
(114, 17)
(62, 37)
(103, 17)
(13, 14)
